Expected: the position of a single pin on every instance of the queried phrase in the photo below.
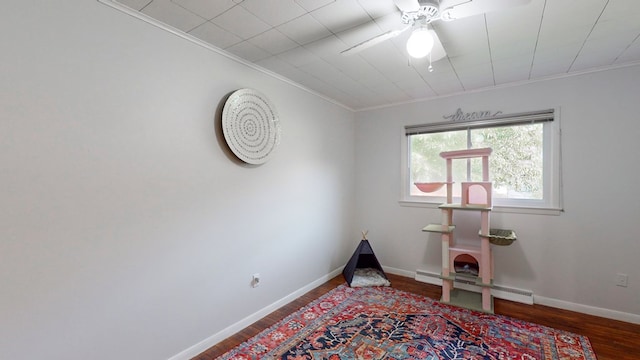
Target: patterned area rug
(385, 323)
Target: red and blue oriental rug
(385, 323)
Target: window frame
(551, 204)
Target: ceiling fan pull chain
(430, 68)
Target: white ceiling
(302, 40)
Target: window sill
(496, 208)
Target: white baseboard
(401, 272)
(513, 294)
(225, 333)
(587, 309)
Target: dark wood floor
(610, 339)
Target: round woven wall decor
(250, 125)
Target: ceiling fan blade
(457, 9)
(407, 5)
(373, 41)
(438, 51)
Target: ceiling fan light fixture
(420, 43)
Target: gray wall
(126, 230)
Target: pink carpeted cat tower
(468, 262)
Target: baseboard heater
(498, 291)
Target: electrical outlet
(622, 280)
(255, 280)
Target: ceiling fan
(418, 14)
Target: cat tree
(464, 262)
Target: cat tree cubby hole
(466, 264)
(476, 193)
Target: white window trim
(552, 205)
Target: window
(524, 165)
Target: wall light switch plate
(622, 280)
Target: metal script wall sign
(460, 115)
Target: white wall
(126, 230)
(569, 260)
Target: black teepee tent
(363, 263)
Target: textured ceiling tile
(475, 76)
(621, 9)
(417, 91)
(311, 5)
(304, 29)
(472, 58)
(360, 33)
(241, 22)
(341, 15)
(348, 85)
(554, 36)
(274, 12)
(324, 71)
(615, 45)
(477, 81)
(598, 53)
(462, 36)
(412, 82)
(631, 54)
(206, 8)
(561, 54)
(566, 12)
(521, 49)
(273, 41)
(617, 30)
(392, 93)
(506, 75)
(215, 35)
(384, 56)
(377, 9)
(299, 56)
(557, 66)
(173, 15)
(326, 47)
(592, 61)
(512, 62)
(392, 21)
(359, 70)
(446, 87)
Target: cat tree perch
(464, 261)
